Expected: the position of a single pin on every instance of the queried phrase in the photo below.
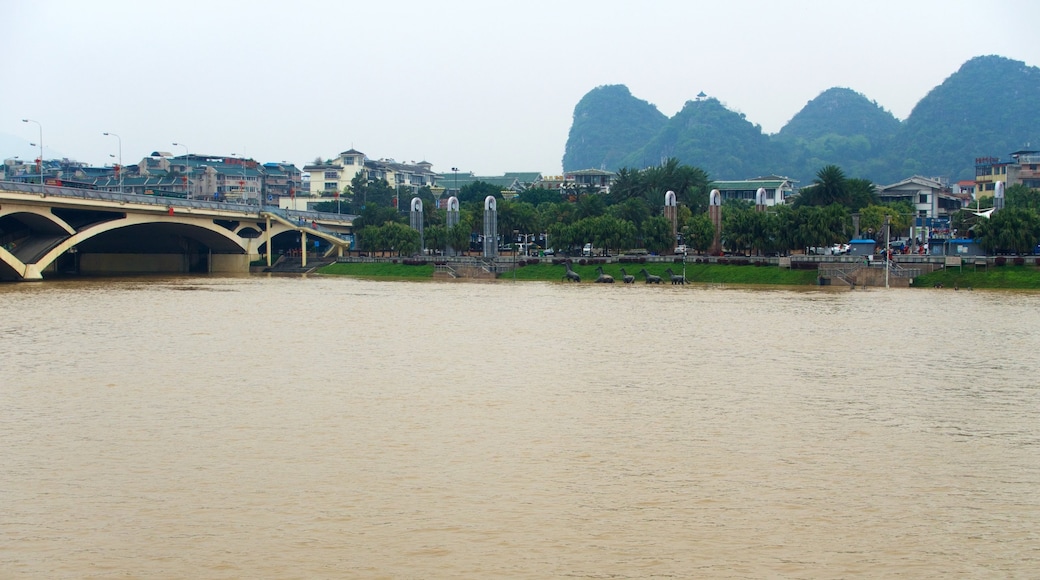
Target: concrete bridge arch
(165, 239)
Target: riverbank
(996, 277)
(695, 273)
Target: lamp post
(39, 162)
(888, 246)
(455, 170)
(187, 171)
(119, 168)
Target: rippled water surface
(339, 428)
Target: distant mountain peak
(987, 107)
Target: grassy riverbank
(697, 273)
(998, 277)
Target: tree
(633, 209)
(478, 191)
(872, 218)
(747, 230)
(536, 196)
(1019, 196)
(402, 238)
(458, 236)
(829, 187)
(862, 193)
(375, 215)
(363, 193)
(823, 226)
(1012, 230)
(591, 205)
(699, 232)
(657, 234)
(436, 237)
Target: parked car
(680, 249)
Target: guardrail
(158, 200)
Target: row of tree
(631, 216)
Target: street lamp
(39, 162)
(187, 171)
(888, 246)
(455, 170)
(119, 168)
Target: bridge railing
(79, 193)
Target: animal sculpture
(570, 275)
(650, 278)
(626, 277)
(675, 278)
(603, 278)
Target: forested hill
(609, 123)
(987, 108)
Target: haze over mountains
(989, 107)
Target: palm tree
(829, 187)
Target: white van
(587, 250)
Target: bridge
(52, 230)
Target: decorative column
(760, 199)
(670, 215)
(998, 196)
(715, 214)
(452, 219)
(490, 227)
(415, 218)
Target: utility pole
(888, 246)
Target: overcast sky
(484, 86)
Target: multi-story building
(596, 178)
(988, 171)
(777, 187)
(219, 177)
(280, 180)
(336, 174)
(1023, 168)
(509, 184)
(931, 198)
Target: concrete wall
(231, 263)
(96, 264)
(130, 263)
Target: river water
(261, 427)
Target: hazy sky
(484, 86)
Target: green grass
(999, 277)
(378, 270)
(1005, 277)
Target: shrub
(1000, 260)
(1020, 261)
